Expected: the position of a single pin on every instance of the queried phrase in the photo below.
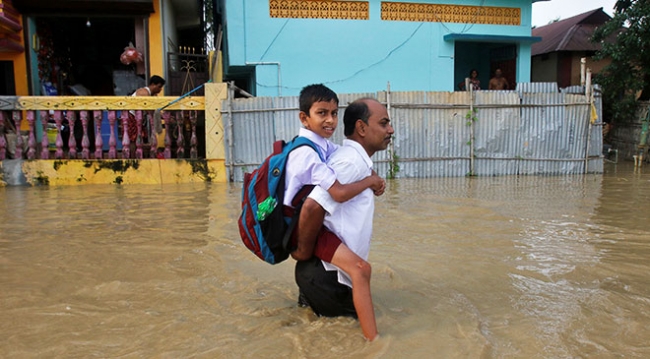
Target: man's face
(322, 119)
(497, 73)
(378, 131)
(155, 89)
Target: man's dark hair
(357, 110)
(156, 80)
(315, 93)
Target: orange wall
(20, 67)
(156, 54)
(20, 72)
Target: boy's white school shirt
(351, 221)
(305, 167)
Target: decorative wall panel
(319, 9)
(404, 11)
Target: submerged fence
(534, 130)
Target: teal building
(275, 47)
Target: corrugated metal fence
(535, 129)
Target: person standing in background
(498, 82)
(155, 86)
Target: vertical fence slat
(3, 142)
(193, 140)
(45, 143)
(126, 142)
(85, 142)
(18, 152)
(99, 141)
(72, 142)
(58, 120)
(31, 139)
(169, 121)
(139, 135)
(180, 149)
(153, 135)
(112, 141)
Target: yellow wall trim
(404, 11)
(100, 103)
(319, 9)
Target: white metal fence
(535, 129)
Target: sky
(548, 11)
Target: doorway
(7, 83)
(485, 57)
(81, 56)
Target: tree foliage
(209, 24)
(625, 39)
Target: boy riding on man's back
(319, 117)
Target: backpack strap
(297, 202)
(302, 194)
(304, 141)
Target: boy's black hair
(357, 110)
(156, 80)
(315, 93)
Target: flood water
(499, 267)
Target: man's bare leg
(359, 271)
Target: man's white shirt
(351, 221)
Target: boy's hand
(379, 185)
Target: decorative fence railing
(98, 127)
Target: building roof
(572, 34)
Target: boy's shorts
(321, 290)
(326, 243)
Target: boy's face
(323, 117)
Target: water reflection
(462, 267)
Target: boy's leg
(359, 271)
(310, 222)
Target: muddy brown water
(502, 267)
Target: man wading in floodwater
(324, 287)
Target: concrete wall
(544, 68)
(595, 66)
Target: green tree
(625, 39)
(209, 24)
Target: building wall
(353, 55)
(544, 68)
(595, 66)
(20, 66)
